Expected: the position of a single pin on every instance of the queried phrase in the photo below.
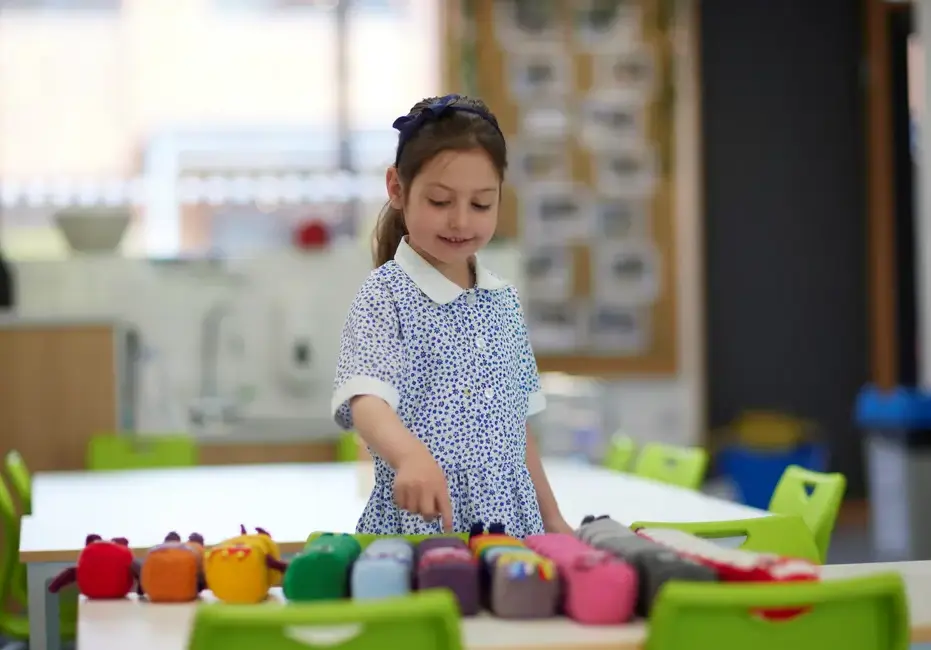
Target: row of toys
(605, 574)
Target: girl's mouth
(456, 241)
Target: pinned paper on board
(546, 118)
(611, 119)
(537, 160)
(556, 326)
(523, 21)
(629, 169)
(555, 214)
(598, 23)
(619, 330)
(548, 272)
(632, 69)
(625, 272)
(623, 217)
(539, 72)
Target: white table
(290, 501)
(144, 626)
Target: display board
(584, 90)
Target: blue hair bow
(408, 125)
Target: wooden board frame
(490, 83)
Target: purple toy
(447, 562)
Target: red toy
(312, 234)
(105, 570)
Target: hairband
(408, 125)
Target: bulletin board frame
(474, 63)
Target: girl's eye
(481, 208)
(438, 204)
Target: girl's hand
(420, 487)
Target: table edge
(71, 555)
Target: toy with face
(322, 570)
(104, 570)
(448, 563)
(243, 568)
(383, 570)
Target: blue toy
(384, 570)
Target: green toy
(365, 539)
(321, 571)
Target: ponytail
(389, 231)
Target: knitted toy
(655, 564)
(384, 569)
(322, 570)
(598, 588)
(517, 582)
(242, 569)
(447, 562)
(736, 565)
(105, 570)
(173, 572)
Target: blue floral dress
(458, 369)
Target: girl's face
(451, 208)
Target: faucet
(212, 404)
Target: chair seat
(16, 627)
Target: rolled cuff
(360, 385)
(536, 403)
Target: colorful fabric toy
(447, 562)
(105, 570)
(517, 583)
(242, 569)
(384, 569)
(322, 570)
(598, 588)
(655, 564)
(173, 572)
(736, 565)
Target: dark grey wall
(785, 205)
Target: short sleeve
(371, 354)
(529, 376)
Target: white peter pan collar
(434, 284)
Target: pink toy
(598, 588)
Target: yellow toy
(242, 569)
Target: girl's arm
(553, 521)
(381, 428)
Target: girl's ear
(393, 185)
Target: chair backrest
(20, 478)
(141, 451)
(427, 620)
(620, 453)
(864, 613)
(682, 466)
(815, 497)
(785, 535)
(348, 447)
(9, 542)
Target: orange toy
(173, 572)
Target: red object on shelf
(311, 234)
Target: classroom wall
(785, 204)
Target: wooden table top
(292, 501)
(115, 625)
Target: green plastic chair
(620, 453)
(21, 480)
(427, 620)
(864, 613)
(680, 466)
(814, 496)
(13, 625)
(125, 452)
(785, 535)
(347, 450)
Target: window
(61, 5)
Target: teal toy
(322, 570)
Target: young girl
(435, 368)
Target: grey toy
(654, 563)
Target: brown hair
(473, 127)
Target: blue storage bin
(755, 471)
